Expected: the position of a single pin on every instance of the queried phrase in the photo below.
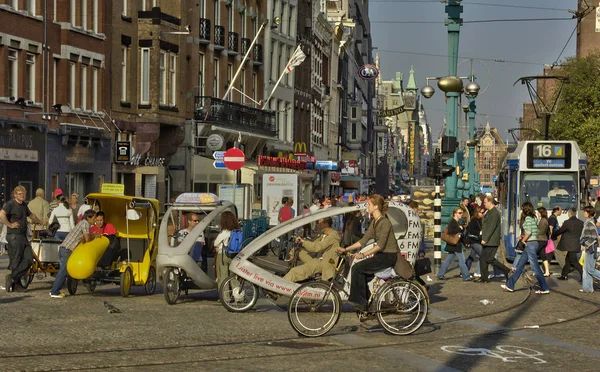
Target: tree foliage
(578, 113)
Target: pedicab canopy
(194, 198)
(405, 222)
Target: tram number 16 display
(548, 155)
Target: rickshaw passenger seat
(137, 248)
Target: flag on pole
(297, 58)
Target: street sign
(218, 155)
(368, 72)
(218, 164)
(214, 141)
(234, 159)
(123, 153)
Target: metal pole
(279, 80)
(437, 228)
(546, 126)
(262, 26)
(471, 164)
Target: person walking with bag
(228, 223)
(530, 238)
(63, 215)
(570, 242)
(455, 250)
(474, 240)
(490, 241)
(543, 234)
(591, 240)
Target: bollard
(437, 230)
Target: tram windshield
(549, 189)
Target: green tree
(578, 113)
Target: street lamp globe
(427, 91)
(472, 89)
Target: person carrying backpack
(229, 224)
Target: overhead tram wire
(474, 3)
(481, 21)
(497, 60)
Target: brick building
(588, 30)
(489, 154)
(51, 82)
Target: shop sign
(16, 140)
(390, 112)
(300, 149)
(326, 165)
(113, 189)
(123, 152)
(271, 161)
(368, 72)
(335, 178)
(148, 161)
(18, 155)
(350, 167)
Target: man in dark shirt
(14, 215)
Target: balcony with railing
(246, 45)
(257, 54)
(232, 43)
(219, 37)
(204, 33)
(235, 116)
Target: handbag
(520, 247)
(53, 227)
(450, 239)
(422, 266)
(550, 246)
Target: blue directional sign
(326, 165)
(218, 155)
(219, 164)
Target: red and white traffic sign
(234, 159)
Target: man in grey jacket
(490, 241)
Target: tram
(546, 174)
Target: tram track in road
(314, 348)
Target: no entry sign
(234, 159)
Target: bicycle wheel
(238, 295)
(314, 309)
(401, 307)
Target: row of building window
(80, 14)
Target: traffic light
(447, 167)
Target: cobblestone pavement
(78, 333)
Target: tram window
(546, 189)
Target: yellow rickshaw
(127, 258)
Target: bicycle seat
(385, 274)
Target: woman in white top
(221, 263)
(64, 216)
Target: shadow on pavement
(8, 300)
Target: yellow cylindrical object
(82, 262)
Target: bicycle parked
(399, 305)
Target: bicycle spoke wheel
(401, 307)
(314, 309)
(238, 295)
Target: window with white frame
(292, 21)
(216, 6)
(254, 26)
(148, 4)
(73, 12)
(13, 73)
(30, 6)
(255, 86)
(30, 76)
(84, 14)
(201, 75)
(243, 86)
(83, 87)
(243, 24)
(202, 8)
(125, 8)
(284, 13)
(124, 77)
(231, 18)
(216, 78)
(54, 74)
(95, 89)
(14, 4)
(173, 80)
(162, 78)
(72, 79)
(229, 79)
(145, 76)
(274, 60)
(95, 16)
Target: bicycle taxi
(180, 270)
(247, 276)
(127, 258)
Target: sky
(534, 42)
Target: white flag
(297, 58)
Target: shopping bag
(582, 259)
(550, 246)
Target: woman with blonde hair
(383, 254)
(455, 250)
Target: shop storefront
(22, 158)
(78, 159)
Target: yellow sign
(390, 112)
(113, 189)
(300, 149)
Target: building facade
(490, 152)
